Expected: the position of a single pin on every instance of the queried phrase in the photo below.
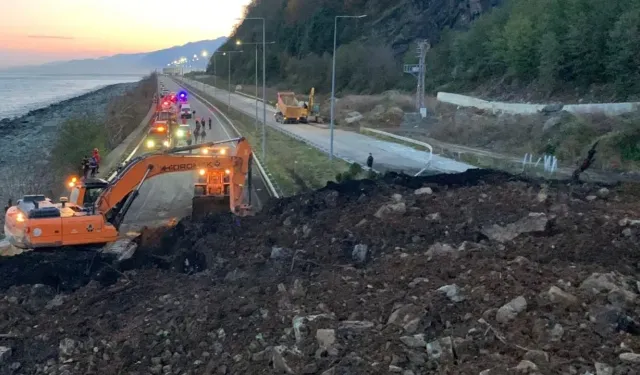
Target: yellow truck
(292, 111)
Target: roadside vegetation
(79, 135)
(549, 47)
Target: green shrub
(77, 137)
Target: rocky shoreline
(27, 141)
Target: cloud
(50, 37)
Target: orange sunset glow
(35, 31)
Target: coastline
(64, 101)
(27, 141)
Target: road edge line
(273, 191)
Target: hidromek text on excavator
(96, 208)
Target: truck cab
(185, 111)
(159, 136)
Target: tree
(550, 61)
(521, 53)
(624, 53)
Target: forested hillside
(520, 49)
(370, 49)
(577, 47)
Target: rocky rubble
(482, 275)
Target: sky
(39, 31)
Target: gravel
(552, 296)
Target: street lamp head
(238, 42)
(362, 16)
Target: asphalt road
(346, 144)
(168, 197)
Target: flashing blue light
(182, 95)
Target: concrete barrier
(112, 160)
(608, 109)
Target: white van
(185, 111)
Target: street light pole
(215, 75)
(264, 92)
(333, 79)
(256, 86)
(264, 84)
(256, 76)
(229, 77)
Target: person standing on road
(202, 132)
(209, 123)
(370, 161)
(84, 167)
(93, 165)
(96, 155)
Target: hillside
(372, 46)
(133, 63)
(576, 50)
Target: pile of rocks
(404, 276)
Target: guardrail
(134, 134)
(271, 186)
(408, 140)
(288, 133)
(234, 92)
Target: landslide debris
(472, 273)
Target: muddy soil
(452, 274)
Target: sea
(21, 93)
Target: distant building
(173, 71)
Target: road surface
(168, 197)
(348, 145)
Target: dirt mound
(447, 274)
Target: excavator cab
(87, 193)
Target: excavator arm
(118, 196)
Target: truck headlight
(180, 133)
(150, 143)
(166, 143)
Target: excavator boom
(90, 218)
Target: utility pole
(333, 79)
(419, 71)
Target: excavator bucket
(211, 194)
(205, 205)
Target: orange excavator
(96, 208)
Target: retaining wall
(609, 109)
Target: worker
(93, 165)
(203, 133)
(96, 154)
(84, 167)
(209, 123)
(370, 161)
